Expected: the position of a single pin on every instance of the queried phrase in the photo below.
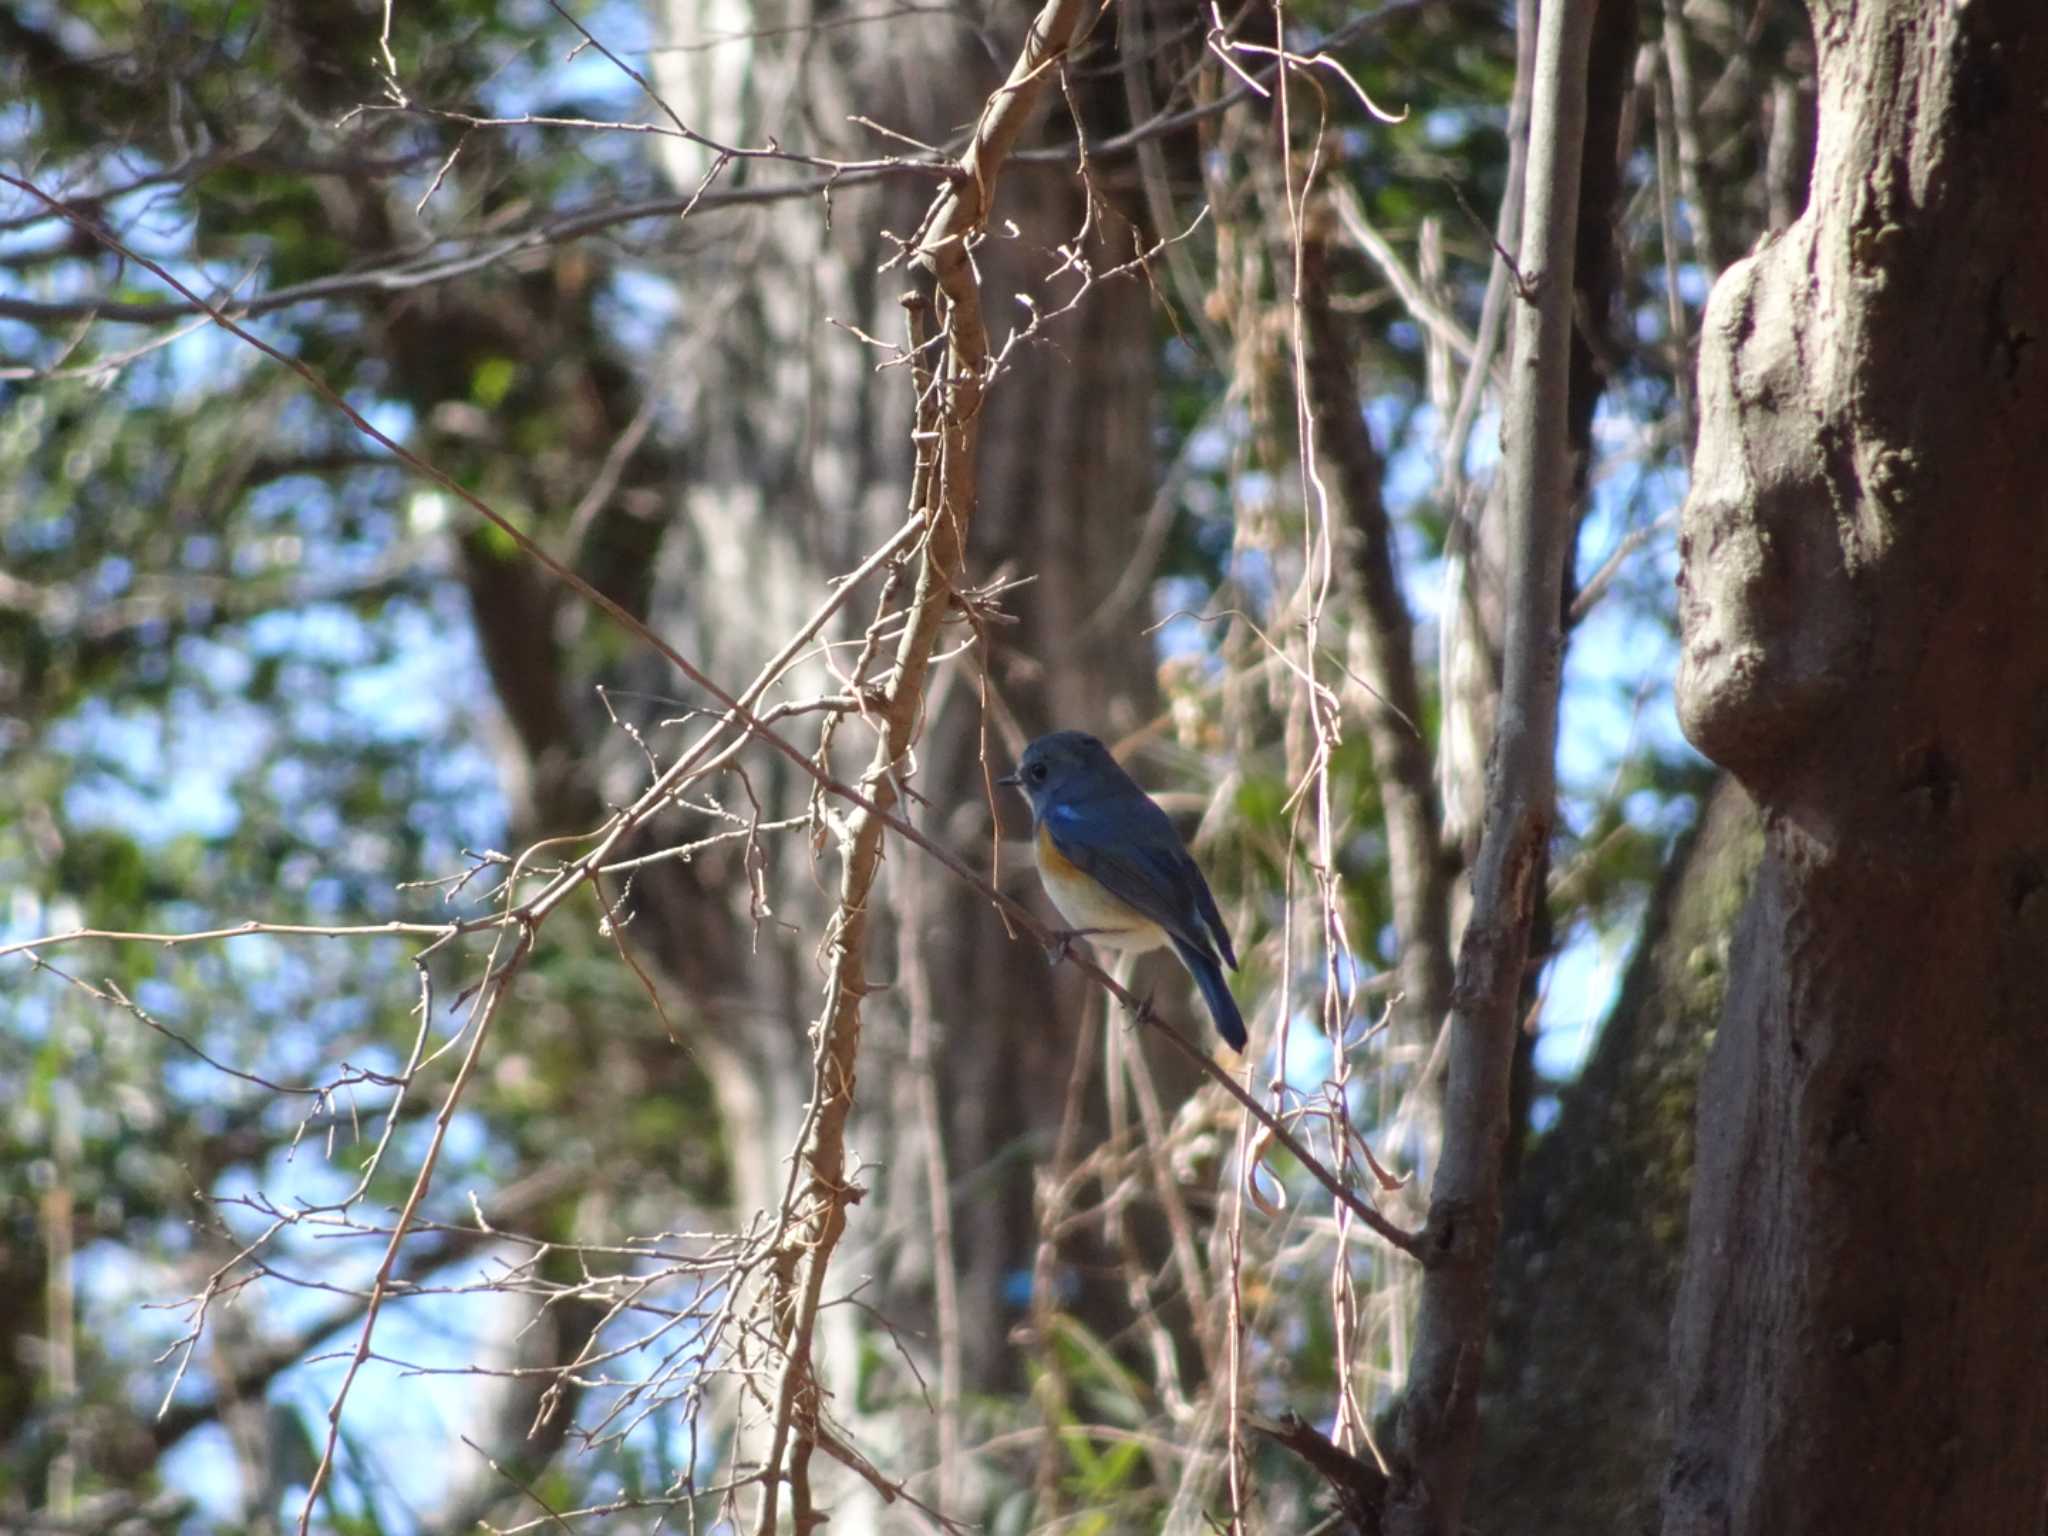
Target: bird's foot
(1142, 1012)
(1061, 949)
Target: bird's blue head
(1065, 767)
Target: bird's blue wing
(1130, 847)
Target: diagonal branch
(1360, 1486)
(942, 519)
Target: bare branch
(804, 1247)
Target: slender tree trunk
(1436, 1436)
(1860, 1337)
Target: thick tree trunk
(1860, 1336)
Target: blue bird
(1116, 869)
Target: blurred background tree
(252, 669)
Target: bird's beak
(1010, 780)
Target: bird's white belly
(1088, 907)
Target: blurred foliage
(237, 680)
(239, 677)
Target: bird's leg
(1142, 1012)
(1061, 948)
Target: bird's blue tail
(1208, 974)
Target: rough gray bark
(1859, 1338)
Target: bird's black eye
(1036, 773)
